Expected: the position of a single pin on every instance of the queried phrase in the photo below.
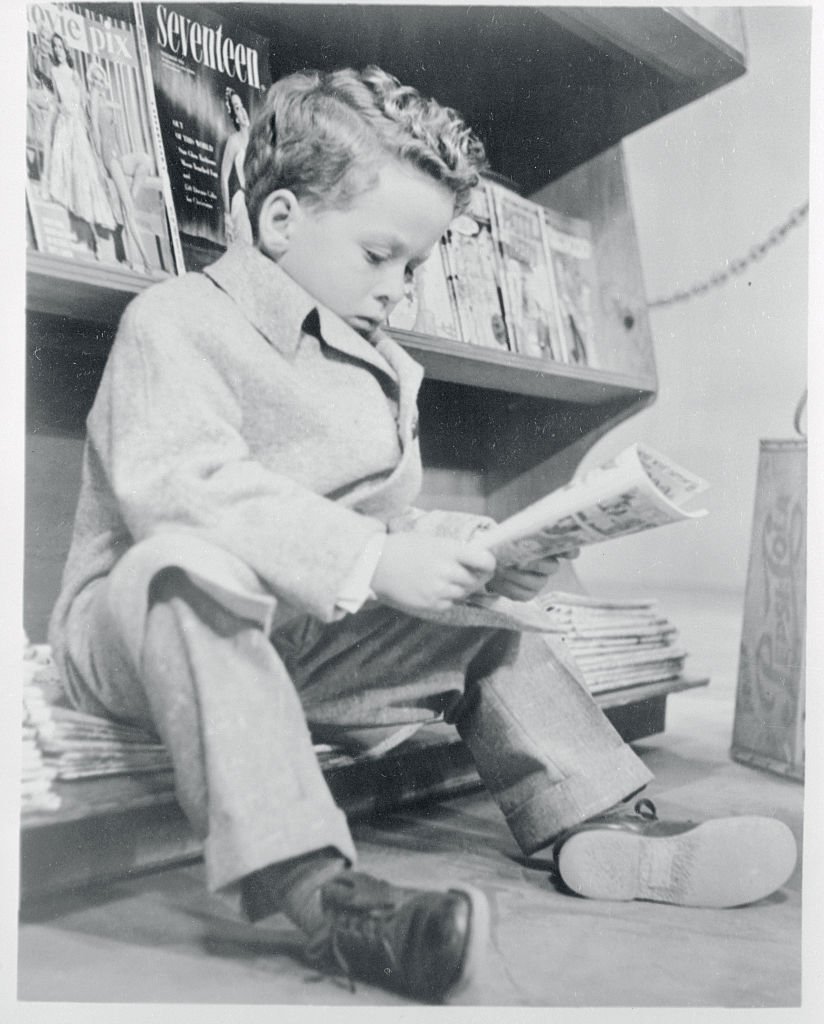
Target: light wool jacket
(236, 410)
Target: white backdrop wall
(707, 183)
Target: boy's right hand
(419, 573)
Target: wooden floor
(160, 938)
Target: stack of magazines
(62, 744)
(38, 770)
(616, 643)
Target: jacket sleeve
(440, 523)
(168, 429)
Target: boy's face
(356, 260)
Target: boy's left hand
(524, 584)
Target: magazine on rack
(94, 180)
(637, 490)
(428, 306)
(569, 244)
(529, 293)
(475, 271)
(210, 76)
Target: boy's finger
(477, 559)
(467, 579)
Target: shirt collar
(280, 308)
(270, 300)
(277, 306)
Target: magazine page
(529, 296)
(94, 184)
(569, 244)
(210, 76)
(621, 497)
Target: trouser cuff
(556, 807)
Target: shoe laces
(646, 809)
(359, 926)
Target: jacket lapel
(278, 307)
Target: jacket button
(415, 428)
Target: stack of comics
(62, 744)
(616, 643)
(39, 772)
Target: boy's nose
(392, 288)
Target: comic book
(210, 75)
(569, 243)
(475, 272)
(637, 490)
(529, 295)
(95, 187)
(428, 306)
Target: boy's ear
(279, 214)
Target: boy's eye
(375, 257)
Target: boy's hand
(419, 573)
(524, 584)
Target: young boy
(248, 570)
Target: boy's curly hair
(322, 135)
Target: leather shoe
(631, 855)
(424, 944)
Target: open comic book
(637, 490)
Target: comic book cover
(476, 275)
(210, 76)
(530, 302)
(94, 183)
(569, 243)
(428, 306)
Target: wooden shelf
(647, 691)
(480, 367)
(547, 88)
(703, 49)
(80, 289)
(91, 292)
(551, 91)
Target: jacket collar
(270, 300)
(278, 307)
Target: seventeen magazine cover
(210, 76)
(93, 179)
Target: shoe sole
(478, 941)
(725, 862)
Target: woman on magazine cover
(127, 170)
(74, 176)
(232, 181)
